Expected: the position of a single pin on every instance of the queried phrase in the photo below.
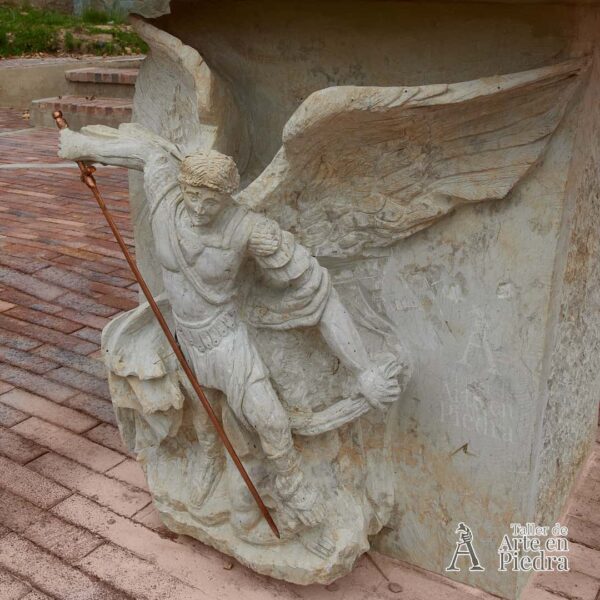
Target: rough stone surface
(573, 346)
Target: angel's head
(207, 179)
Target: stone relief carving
(302, 376)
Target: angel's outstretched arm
(341, 335)
(115, 150)
(132, 148)
(289, 264)
(378, 383)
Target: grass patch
(26, 31)
(99, 17)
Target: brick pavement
(12, 119)
(76, 520)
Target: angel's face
(203, 204)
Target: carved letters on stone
(302, 378)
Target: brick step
(102, 81)
(82, 110)
(103, 75)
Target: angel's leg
(302, 503)
(205, 456)
(244, 379)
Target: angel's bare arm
(133, 148)
(117, 150)
(378, 383)
(290, 263)
(341, 335)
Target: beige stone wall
(569, 391)
(276, 53)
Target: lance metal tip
(87, 176)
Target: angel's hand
(70, 144)
(109, 146)
(73, 145)
(265, 238)
(379, 383)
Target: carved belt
(203, 335)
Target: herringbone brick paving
(76, 520)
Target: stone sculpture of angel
(302, 385)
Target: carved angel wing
(179, 98)
(362, 167)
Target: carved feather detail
(363, 167)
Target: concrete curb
(22, 81)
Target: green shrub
(69, 42)
(99, 17)
(25, 30)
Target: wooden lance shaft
(87, 176)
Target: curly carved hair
(211, 169)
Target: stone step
(102, 81)
(82, 110)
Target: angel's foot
(244, 520)
(301, 502)
(318, 542)
(215, 507)
(161, 471)
(250, 526)
(204, 473)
